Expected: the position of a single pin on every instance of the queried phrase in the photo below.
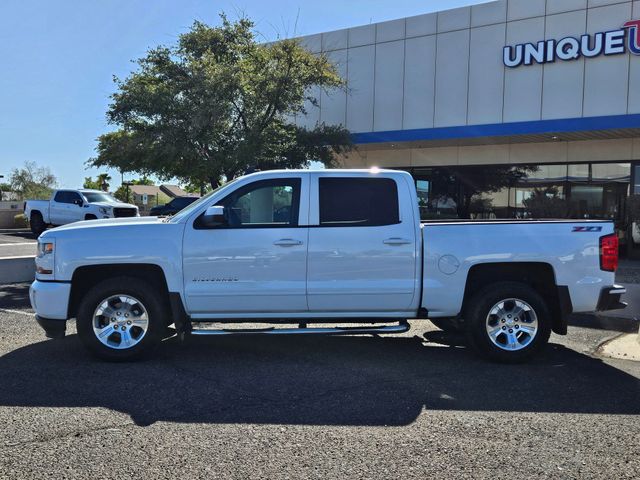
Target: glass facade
(580, 190)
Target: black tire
(449, 325)
(476, 321)
(157, 313)
(36, 223)
(90, 216)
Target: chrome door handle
(287, 242)
(396, 241)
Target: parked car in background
(325, 247)
(173, 207)
(68, 206)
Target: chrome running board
(386, 329)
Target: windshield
(93, 197)
(187, 211)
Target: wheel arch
(86, 277)
(539, 275)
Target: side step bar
(400, 328)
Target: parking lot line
(6, 310)
(14, 244)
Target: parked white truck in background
(68, 206)
(320, 247)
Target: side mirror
(78, 202)
(214, 216)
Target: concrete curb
(625, 346)
(17, 269)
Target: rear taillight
(609, 253)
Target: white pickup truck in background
(320, 250)
(68, 206)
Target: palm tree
(103, 181)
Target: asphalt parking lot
(414, 405)
(17, 243)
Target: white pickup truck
(67, 206)
(313, 249)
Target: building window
(580, 190)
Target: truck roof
(332, 171)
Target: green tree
(100, 183)
(4, 187)
(472, 181)
(32, 182)
(218, 104)
(546, 202)
(197, 189)
(90, 183)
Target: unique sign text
(614, 42)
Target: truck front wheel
(507, 322)
(121, 319)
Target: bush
(20, 221)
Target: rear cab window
(357, 202)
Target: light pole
(1, 176)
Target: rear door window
(358, 202)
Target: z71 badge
(587, 229)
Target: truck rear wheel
(36, 223)
(121, 319)
(507, 322)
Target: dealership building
(510, 109)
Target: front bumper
(610, 298)
(50, 300)
(52, 328)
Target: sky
(59, 58)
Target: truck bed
(452, 249)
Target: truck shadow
(15, 295)
(604, 322)
(321, 381)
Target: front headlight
(45, 258)
(45, 248)
(104, 211)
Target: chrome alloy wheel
(120, 321)
(512, 324)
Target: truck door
(362, 246)
(59, 207)
(75, 207)
(257, 261)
